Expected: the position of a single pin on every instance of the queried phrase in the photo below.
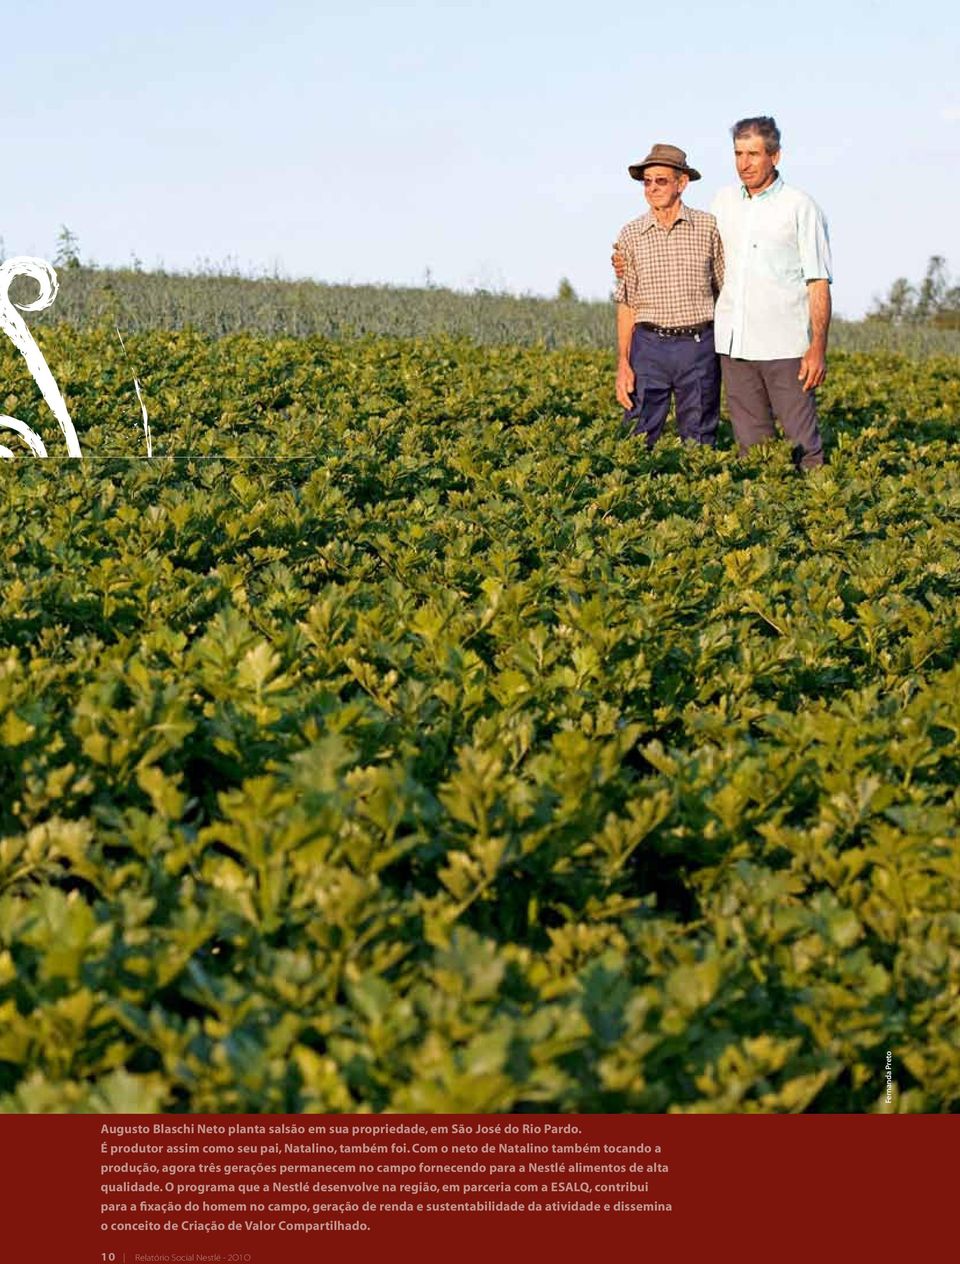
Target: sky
(471, 146)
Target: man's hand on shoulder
(813, 366)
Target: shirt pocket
(776, 253)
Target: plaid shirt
(673, 274)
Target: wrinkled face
(755, 166)
(662, 187)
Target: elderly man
(672, 272)
(773, 313)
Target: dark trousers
(684, 366)
(758, 391)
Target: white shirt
(773, 244)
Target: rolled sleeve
(717, 263)
(814, 243)
(620, 293)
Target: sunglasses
(660, 181)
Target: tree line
(933, 301)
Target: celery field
(405, 737)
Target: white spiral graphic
(15, 327)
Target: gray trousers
(758, 391)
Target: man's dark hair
(765, 128)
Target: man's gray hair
(764, 127)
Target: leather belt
(687, 331)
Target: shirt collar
(650, 220)
(769, 191)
